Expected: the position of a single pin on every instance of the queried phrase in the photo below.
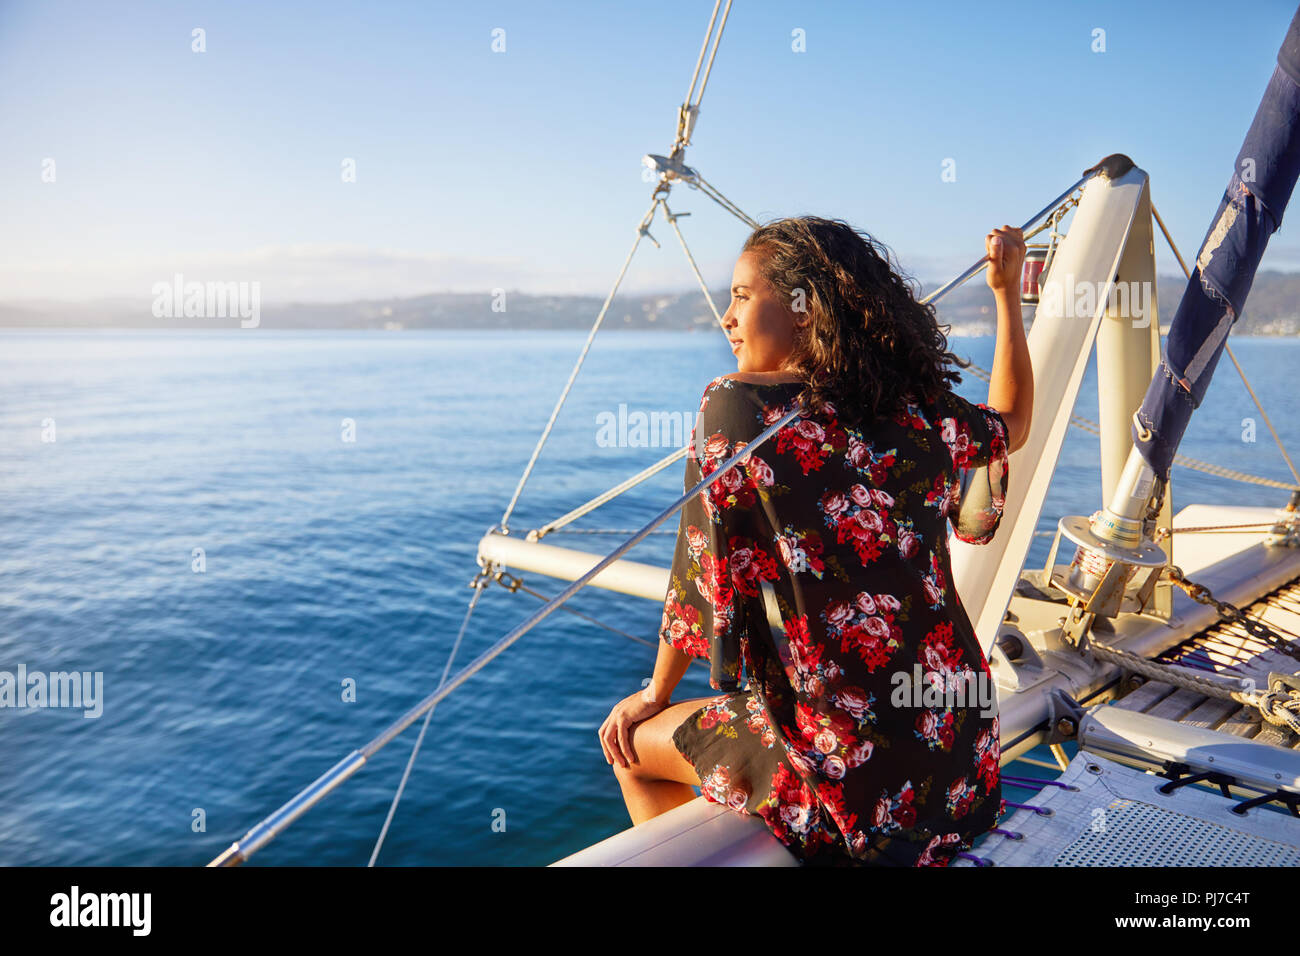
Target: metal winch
(1111, 546)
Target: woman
(822, 564)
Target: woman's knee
(657, 755)
(650, 748)
(631, 772)
(642, 746)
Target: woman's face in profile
(759, 322)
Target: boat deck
(1102, 813)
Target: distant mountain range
(1273, 309)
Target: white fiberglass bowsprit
(1179, 682)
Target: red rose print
(820, 566)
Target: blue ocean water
(330, 561)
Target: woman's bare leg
(661, 778)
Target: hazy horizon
(320, 150)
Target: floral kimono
(867, 732)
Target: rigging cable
(704, 286)
(642, 230)
(605, 496)
(1186, 461)
(685, 128)
(716, 40)
(517, 584)
(479, 582)
(688, 111)
(713, 193)
(690, 91)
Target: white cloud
(320, 272)
(324, 272)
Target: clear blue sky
(522, 169)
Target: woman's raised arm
(1011, 385)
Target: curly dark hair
(870, 346)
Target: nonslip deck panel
(1116, 816)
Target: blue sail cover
(1251, 211)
